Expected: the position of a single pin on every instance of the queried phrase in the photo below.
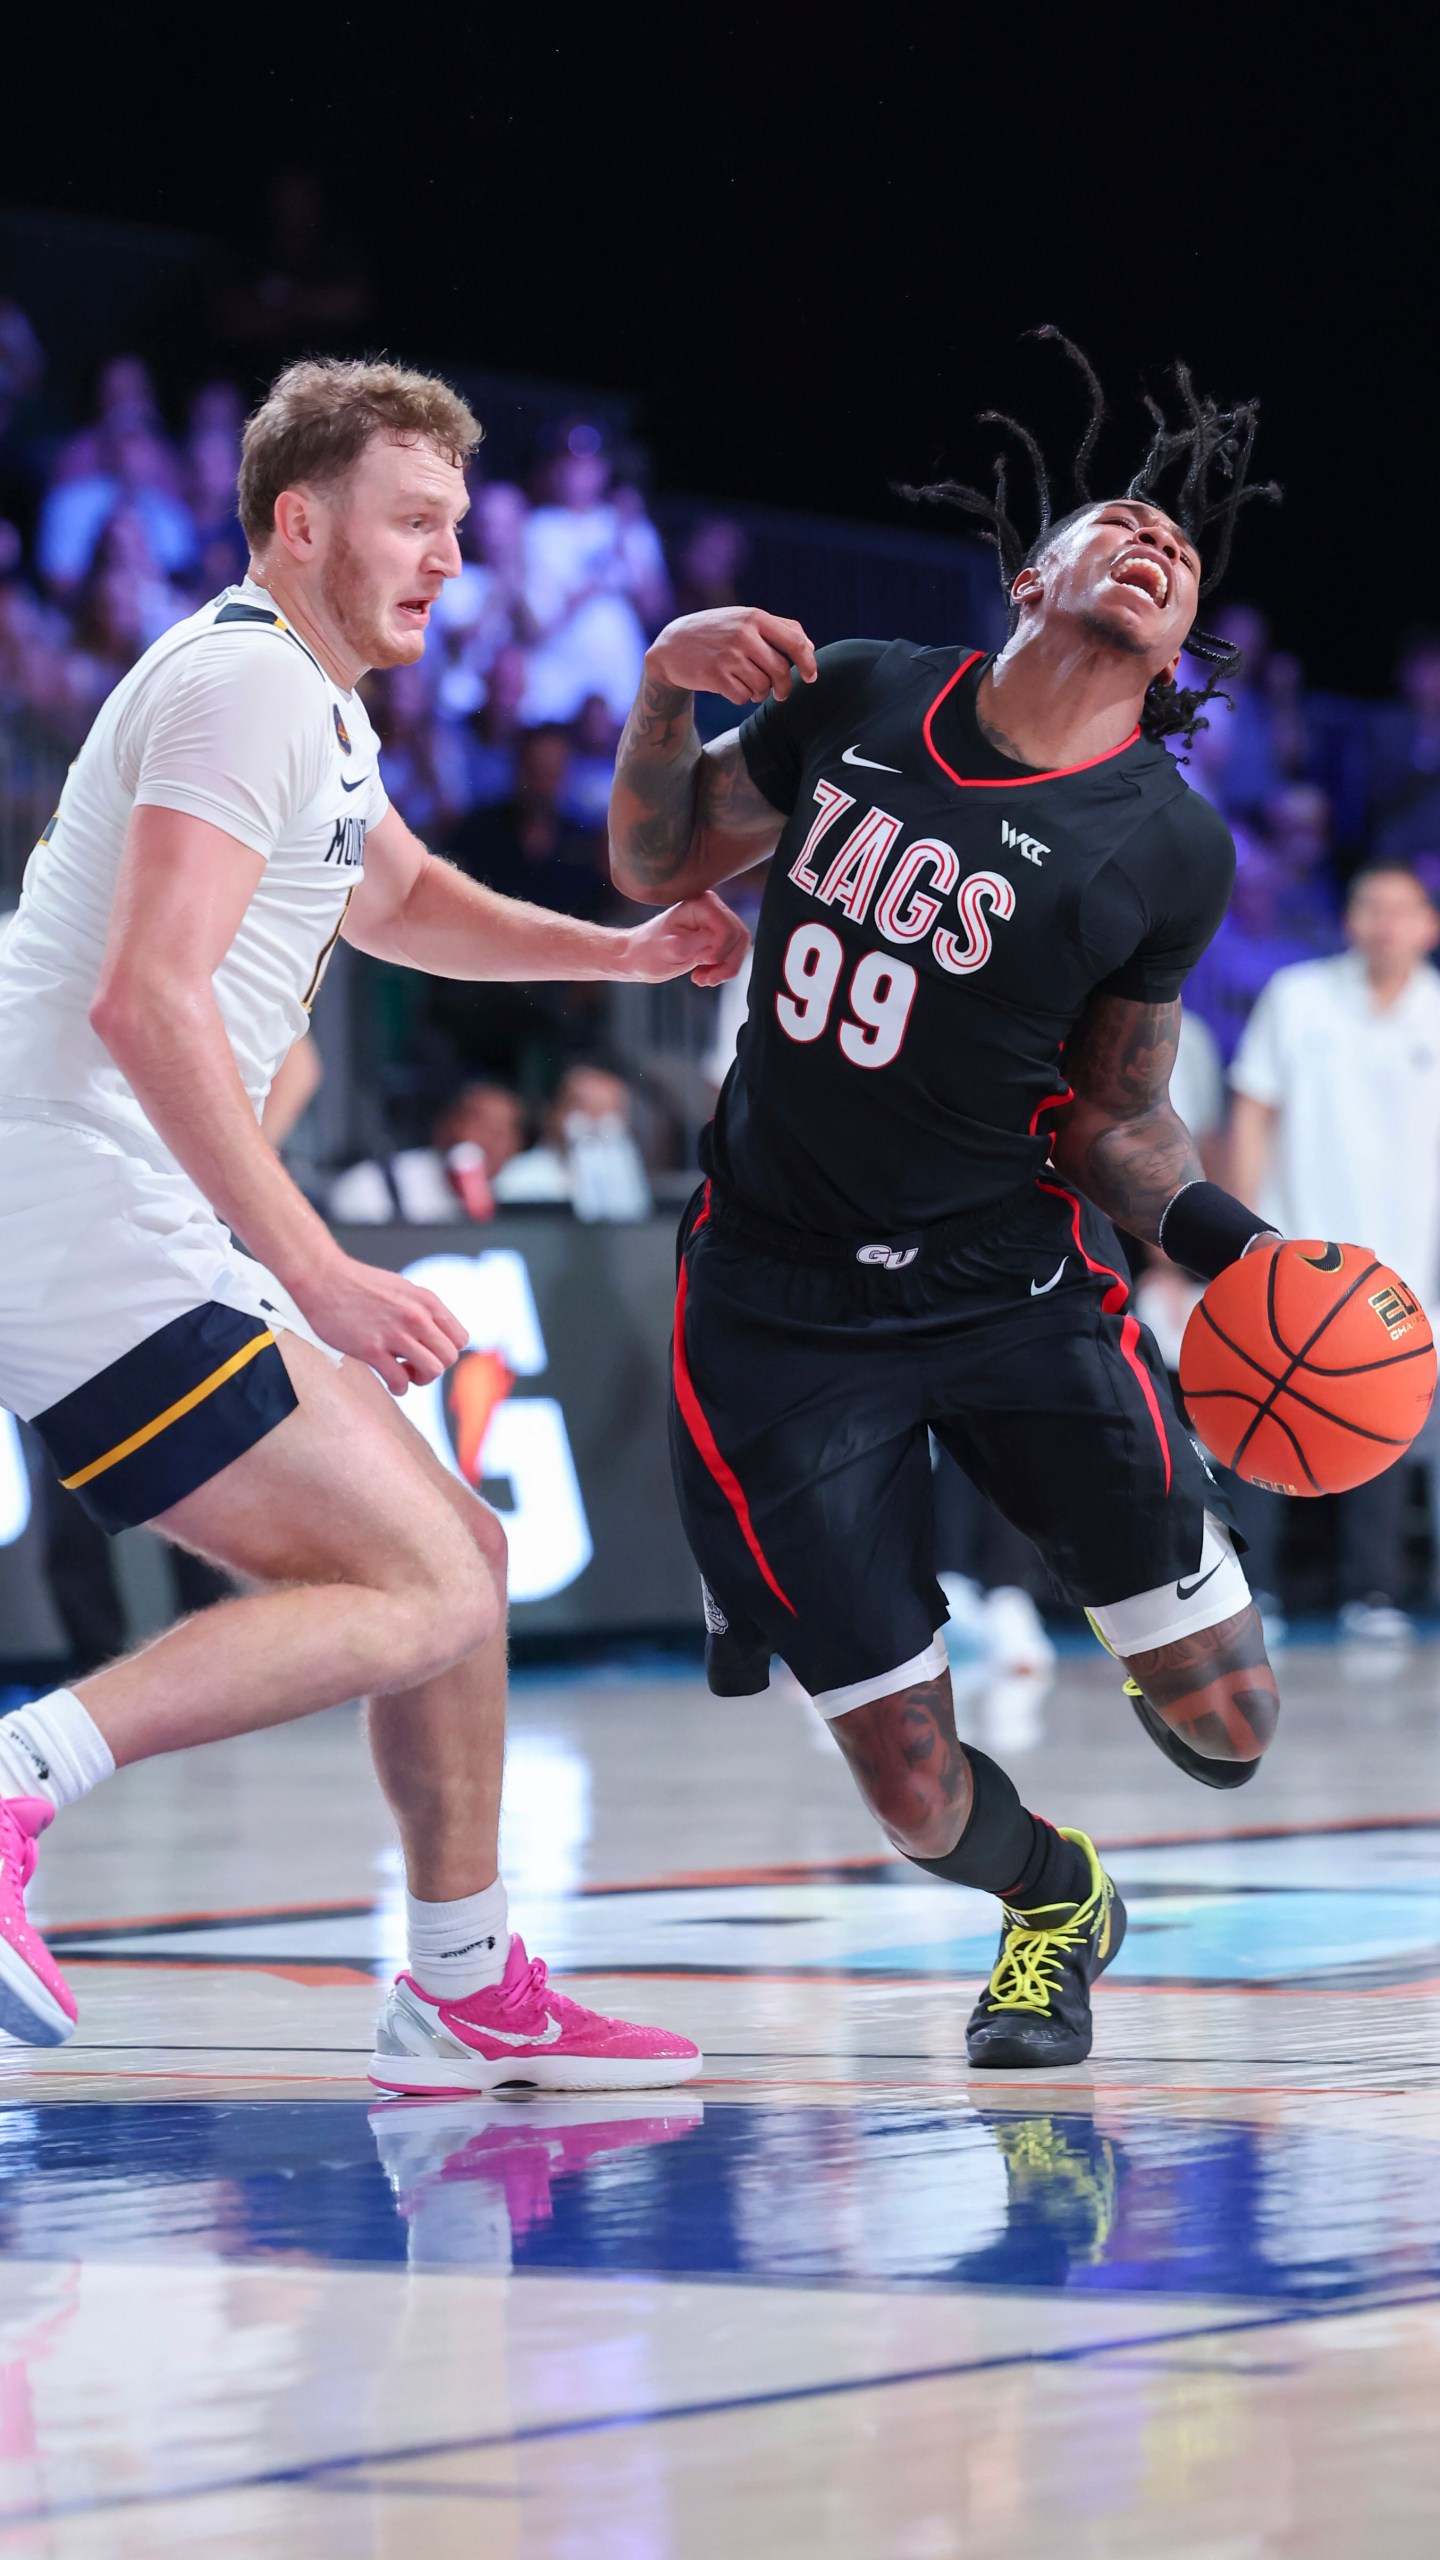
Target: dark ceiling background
(809, 240)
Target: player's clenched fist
(737, 650)
(699, 938)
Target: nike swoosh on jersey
(1187, 1590)
(354, 786)
(853, 756)
(1042, 1288)
(507, 2035)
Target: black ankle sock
(1055, 1871)
(1005, 1850)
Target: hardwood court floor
(841, 2298)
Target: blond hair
(318, 416)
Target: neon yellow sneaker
(1034, 2012)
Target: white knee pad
(1216, 1590)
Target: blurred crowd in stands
(498, 748)
(499, 743)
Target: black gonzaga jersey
(935, 920)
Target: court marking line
(339, 2487)
(962, 2087)
(323, 1974)
(798, 1872)
(326, 2468)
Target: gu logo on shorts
(886, 1257)
(481, 1432)
(341, 732)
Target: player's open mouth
(1143, 570)
(415, 609)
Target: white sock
(53, 1748)
(457, 1947)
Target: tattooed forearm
(653, 805)
(1133, 1169)
(909, 1766)
(1120, 1142)
(682, 817)
(1215, 1689)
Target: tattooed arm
(684, 817)
(1119, 1141)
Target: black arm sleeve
(1178, 872)
(776, 740)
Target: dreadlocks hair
(1210, 449)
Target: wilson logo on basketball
(1396, 1309)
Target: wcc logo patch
(1015, 842)
(341, 732)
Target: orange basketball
(1308, 1369)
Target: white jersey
(231, 718)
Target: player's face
(1128, 575)
(389, 547)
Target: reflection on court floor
(868, 2197)
(842, 2297)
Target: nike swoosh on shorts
(1187, 1590)
(1042, 1288)
(852, 756)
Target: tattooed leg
(1214, 1689)
(907, 1762)
(951, 1810)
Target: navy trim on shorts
(168, 1415)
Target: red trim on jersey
(1111, 1304)
(704, 1438)
(1051, 1102)
(1022, 781)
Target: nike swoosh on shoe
(508, 2035)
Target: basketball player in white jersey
(223, 824)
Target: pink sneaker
(518, 2032)
(35, 2002)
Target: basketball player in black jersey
(989, 883)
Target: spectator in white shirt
(479, 1132)
(482, 612)
(136, 473)
(595, 582)
(1336, 1133)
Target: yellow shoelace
(1030, 1963)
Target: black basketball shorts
(803, 1397)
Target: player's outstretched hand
(737, 650)
(407, 1335)
(699, 939)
